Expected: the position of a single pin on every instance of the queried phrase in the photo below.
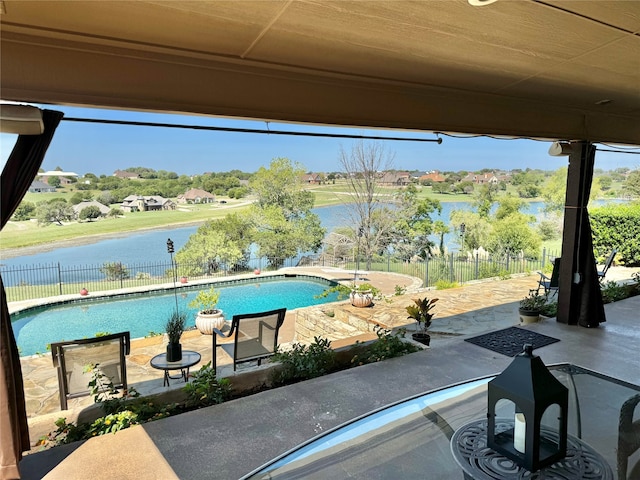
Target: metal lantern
(532, 388)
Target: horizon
(102, 149)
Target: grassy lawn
(25, 234)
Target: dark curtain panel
(19, 171)
(591, 307)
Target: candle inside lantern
(519, 432)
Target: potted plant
(531, 306)
(363, 295)
(208, 316)
(174, 328)
(420, 313)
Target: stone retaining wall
(314, 321)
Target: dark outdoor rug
(510, 341)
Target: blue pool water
(144, 313)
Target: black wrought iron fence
(41, 281)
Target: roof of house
(80, 206)
(195, 193)
(39, 184)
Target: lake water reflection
(150, 246)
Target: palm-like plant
(420, 312)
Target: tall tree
(368, 210)
(282, 219)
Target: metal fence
(41, 281)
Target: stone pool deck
(468, 310)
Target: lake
(150, 246)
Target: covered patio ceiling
(544, 69)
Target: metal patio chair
(71, 357)
(607, 265)
(628, 437)
(550, 284)
(255, 336)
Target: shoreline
(84, 240)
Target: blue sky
(102, 149)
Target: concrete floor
(229, 440)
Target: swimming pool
(141, 314)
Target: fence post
(477, 266)
(388, 261)
(426, 271)
(60, 278)
(544, 256)
(508, 258)
(453, 278)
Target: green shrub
(388, 345)
(617, 226)
(304, 362)
(612, 292)
(445, 284)
(205, 389)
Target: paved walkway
(468, 310)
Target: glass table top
(411, 439)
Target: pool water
(145, 313)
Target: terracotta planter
(528, 316)
(206, 322)
(361, 299)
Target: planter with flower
(174, 328)
(208, 316)
(531, 307)
(420, 313)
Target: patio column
(579, 297)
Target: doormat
(511, 341)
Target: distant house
(312, 178)
(395, 179)
(434, 176)
(41, 187)
(65, 177)
(196, 195)
(481, 178)
(104, 210)
(123, 174)
(144, 203)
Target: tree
(56, 211)
(115, 212)
(54, 181)
(441, 229)
(485, 197)
(281, 217)
(89, 213)
(512, 235)
(115, 271)
(554, 191)
(24, 211)
(365, 208)
(413, 225)
(632, 184)
(476, 228)
(217, 243)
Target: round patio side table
(188, 360)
